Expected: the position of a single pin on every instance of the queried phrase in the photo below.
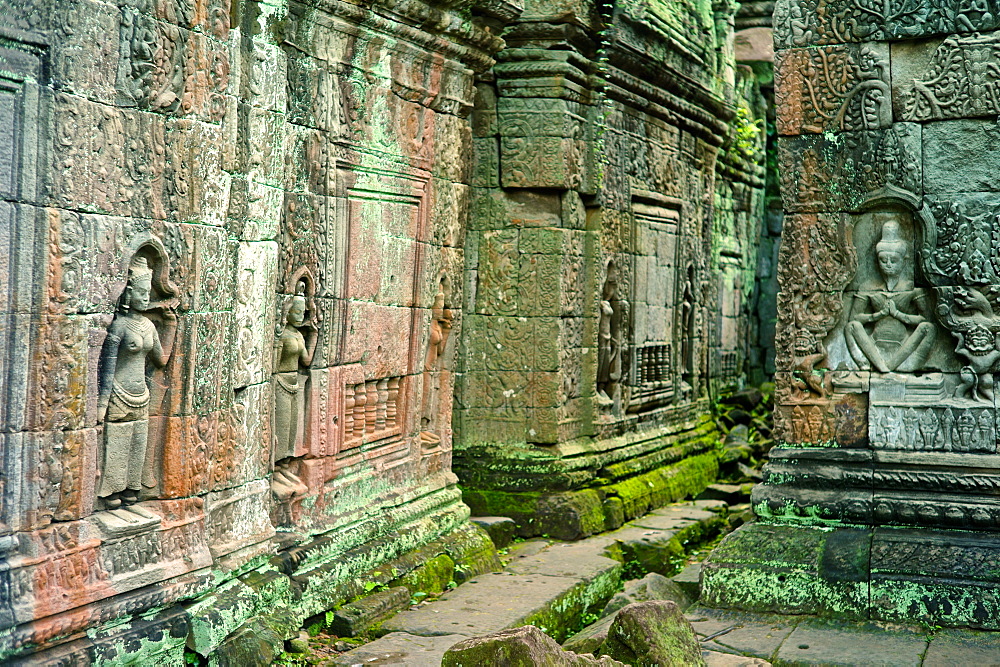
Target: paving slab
(827, 642)
(671, 524)
(400, 648)
(527, 548)
(581, 560)
(716, 659)
(963, 647)
(742, 633)
(695, 511)
(488, 603)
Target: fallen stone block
(653, 586)
(653, 633)
(589, 639)
(689, 580)
(501, 529)
(731, 493)
(747, 399)
(526, 646)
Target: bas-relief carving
(611, 339)
(134, 344)
(441, 324)
(833, 88)
(960, 80)
(888, 326)
(965, 248)
(969, 315)
(294, 348)
(808, 22)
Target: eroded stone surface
(521, 646)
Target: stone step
(545, 583)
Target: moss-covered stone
(431, 577)
(570, 515)
(526, 646)
(472, 550)
(790, 570)
(254, 644)
(653, 633)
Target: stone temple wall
(880, 501)
(253, 253)
(230, 298)
(616, 206)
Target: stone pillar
(880, 501)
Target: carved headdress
(138, 269)
(891, 240)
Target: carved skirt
(286, 413)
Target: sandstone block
(652, 633)
(523, 647)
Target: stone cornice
(437, 29)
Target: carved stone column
(880, 500)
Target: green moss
(568, 515)
(669, 484)
(561, 618)
(790, 569)
(571, 515)
(431, 577)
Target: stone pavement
(545, 583)
(807, 640)
(552, 584)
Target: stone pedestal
(880, 499)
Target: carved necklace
(140, 326)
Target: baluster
(360, 398)
(391, 410)
(383, 396)
(348, 412)
(371, 406)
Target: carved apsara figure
(609, 338)
(441, 319)
(888, 328)
(123, 401)
(293, 351)
(441, 323)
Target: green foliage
(374, 587)
(746, 135)
(633, 569)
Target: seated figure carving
(888, 328)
